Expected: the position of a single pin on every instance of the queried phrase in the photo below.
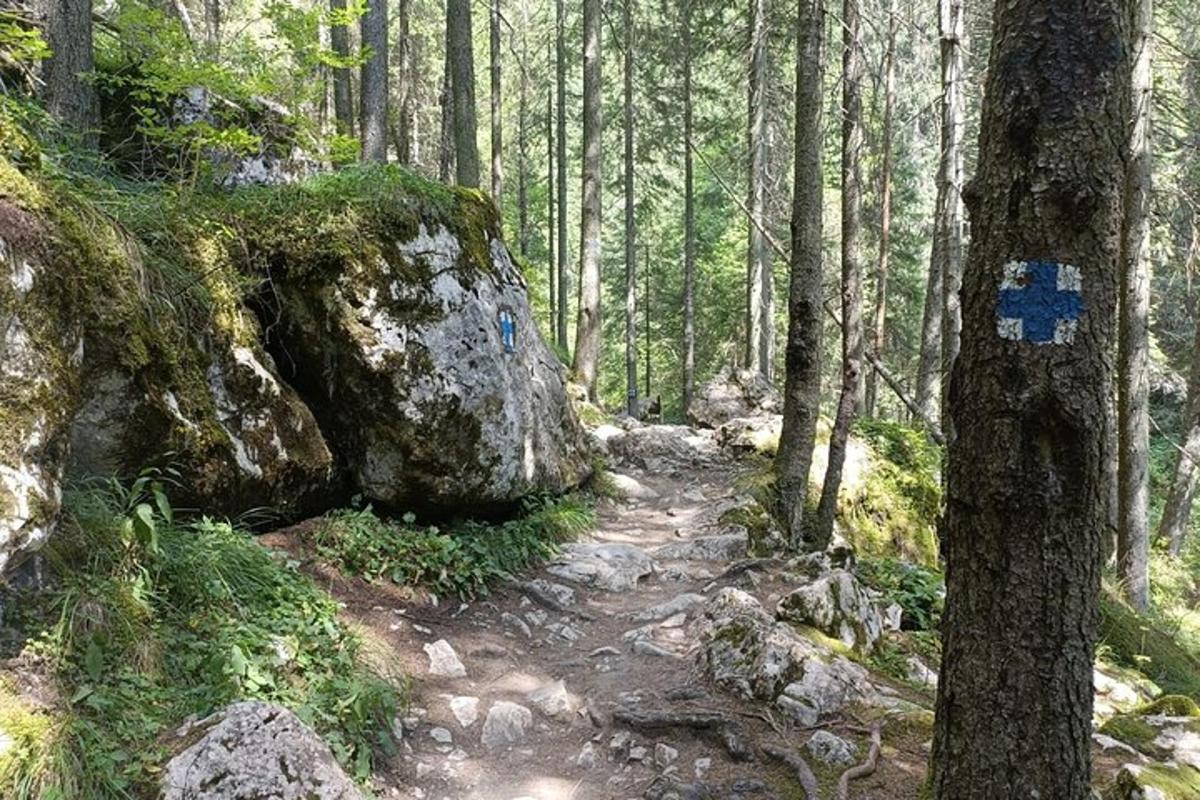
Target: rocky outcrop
(733, 393)
(254, 751)
(658, 448)
(424, 363)
(838, 606)
(278, 347)
(752, 655)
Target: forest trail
(530, 702)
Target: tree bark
(689, 218)
(879, 323)
(552, 243)
(404, 67)
(929, 363)
(759, 327)
(497, 172)
(343, 100)
(69, 96)
(950, 179)
(1133, 347)
(446, 101)
(212, 26)
(631, 365)
(1028, 471)
(802, 359)
(373, 90)
(1177, 510)
(523, 140)
(852, 395)
(462, 91)
(587, 327)
(560, 78)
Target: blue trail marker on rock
(508, 331)
(1039, 302)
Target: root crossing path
(579, 681)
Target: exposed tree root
(862, 770)
(799, 768)
(730, 732)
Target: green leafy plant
(152, 619)
(460, 562)
(919, 591)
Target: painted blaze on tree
(1029, 464)
(1040, 302)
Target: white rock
(465, 710)
(837, 605)
(702, 766)
(255, 751)
(506, 725)
(587, 756)
(664, 755)
(444, 661)
(831, 749)
(552, 699)
(441, 735)
(631, 487)
(611, 567)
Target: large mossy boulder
(281, 347)
(419, 353)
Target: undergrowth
(149, 620)
(462, 561)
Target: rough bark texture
(631, 377)
(343, 100)
(523, 142)
(879, 322)
(446, 103)
(949, 227)
(1028, 476)
(1133, 349)
(802, 382)
(405, 56)
(588, 326)
(560, 143)
(852, 396)
(497, 136)
(373, 91)
(759, 322)
(689, 218)
(462, 90)
(929, 364)
(68, 95)
(1177, 510)
(552, 242)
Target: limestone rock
(831, 749)
(630, 487)
(465, 710)
(611, 567)
(1157, 782)
(443, 391)
(506, 725)
(443, 661)
(254, 751)
(726, 546)
(552, 699)
(733, 393)
(659, 448)
(837, 605)
(751, 434)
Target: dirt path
(514, 696)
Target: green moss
(1132, 730)
(896, 512)
(1170, 705)
(1135, 641)
(1176, 782)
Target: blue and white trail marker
(508, 331)
(1039, 302)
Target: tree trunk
(1028, 471)
(587, 326)
(446, 101)
(212, 26)
(552, 243)
(373, 90)
(69, 96)
(852, 396)
(343, 100)
(950, 176)
(631, 366)
(802, 379)
(404, 63)
(689, 219)
(1133, 347)
(1177, 510)
(462, 91)
(879, 323)
(929, 364)
(758, 258)
(560, 77)
(523, 141)
(497, 138)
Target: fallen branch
(935, 431)
(862, 770)
(799, 768)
